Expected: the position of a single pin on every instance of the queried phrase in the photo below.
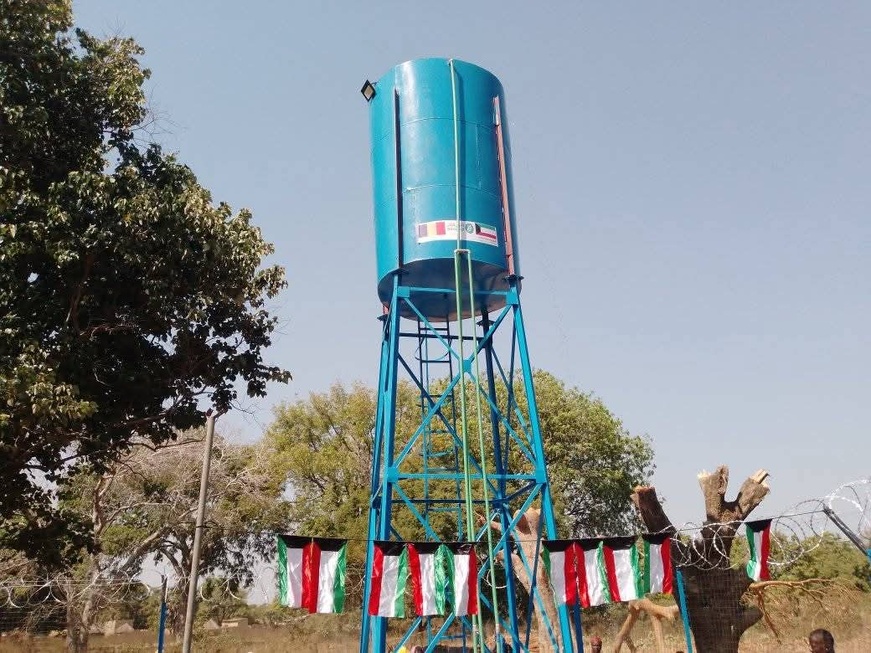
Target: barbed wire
(794, 533)
(20, 593)
(852, 503)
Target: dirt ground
(848, 617)
(275, 640)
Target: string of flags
(596, 571)
(444, 576)
(441, 574)
(311, 575)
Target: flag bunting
(444, 576)
(311, 573)
(658, 574)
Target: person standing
(821, 641)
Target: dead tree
(714, 590)
(528, 531)
(657, 614)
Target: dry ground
(847, 615)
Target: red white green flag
(389, 578)
(658, 574)
(562, 559)
(621, 567)
(759, 542)
(592, 575)
(311, 573)
(428, 578)
(461, 569)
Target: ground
(847, 616)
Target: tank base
(431, 288)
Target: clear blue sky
(692, 187)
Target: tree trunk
(717, 616)
(82, 608)
(714, 590)
(77, 632)
(176, 606)
(528, 529)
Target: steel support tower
(415, 473)
(468, 465)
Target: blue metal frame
(684, 613)
(847, 531)
(406, 468)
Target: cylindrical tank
(433, 122)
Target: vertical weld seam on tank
(503, 183)
(456, 150)
(400, 232)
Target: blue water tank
(434, 121)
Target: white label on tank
(471, 232)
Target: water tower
(469, 462)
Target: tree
(221, 600)
(143, 508)
(129, 301)
(714, 588)
(828, 556)
(322, 445)
(593, 462)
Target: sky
(691, 188)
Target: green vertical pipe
(485, 481)
(477, 631)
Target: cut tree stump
(528, 527)
(714, 591)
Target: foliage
(323, 445)
(221, 599)
(138, 604)
(834, 558)
(818, 556)
(128, 299)
(143, 508)
(593, 462)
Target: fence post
(161, 625)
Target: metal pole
(846, 530)
(161, 626)
(684, 614)
(579, 631)
(198, 536)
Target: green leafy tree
(831, 557)
(129, 301)
(323, 445)
(826, 556)
(593, 462)
(222, 599)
